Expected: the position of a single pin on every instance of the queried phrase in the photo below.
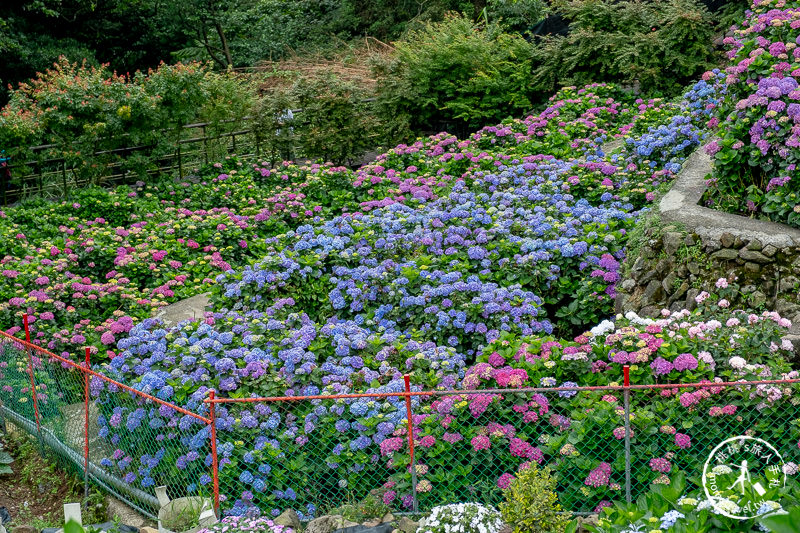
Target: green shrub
(456, 73)
(516, 15)
(89, 111)
(531, 504)
(335, 124)
(659, 45)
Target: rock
(378, 528)
(650, 311)
(726, 254)
(712, 246)
(372, 523)
(647, 278)
(676, 306)
(628, 285)
(738, 242)
(654, 292)
(693, 267)
(590, 520)
(726, 239)
(406, 525)
(620, 302)
(786, 308)
(691, 303)
(288, 518)
(758, 298)
(788, 284)
(669, 282)
(506, 529)
(769, 250)
(638, 265)
(663, 266)
(754, 257)
(672, 241)
(328, 524)
(24, 529)
(689, 240)
(148, 530)
(752, 267)
(388, 517)
(756, 245)
(768, 287)
(678, 294)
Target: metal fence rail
(411, 449)
(52, 175)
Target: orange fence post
(214, 461)
(86, 430)
(627, 399)
(30, 371)
(407, 381)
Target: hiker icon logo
(741, 476)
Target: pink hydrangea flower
(600, 476)
(481, 442)
(505, 480)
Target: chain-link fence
(409, 450)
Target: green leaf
(73, 527)
(5, 458)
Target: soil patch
(37, 490)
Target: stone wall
(691, 246)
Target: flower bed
(78, 267)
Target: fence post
(407, 381)
(64, 177)
(86, 431)
(627, 399)
(30, 371)
(180, 161)
(205, 144)
(214, 462)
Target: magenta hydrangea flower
(683, 441)
(480, 442)
(600, 476)
(685, 361)
(660, 464)
(505, 480)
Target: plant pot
(191, 513)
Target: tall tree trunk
(225, 48)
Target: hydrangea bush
(756, 154)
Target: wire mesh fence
(410, 450)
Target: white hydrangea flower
(726, 506)
(721, 470)
(737, 362)
(462, 518)
(602, 328)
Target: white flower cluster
(462, 518)
(639, 321)
(602, 328)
